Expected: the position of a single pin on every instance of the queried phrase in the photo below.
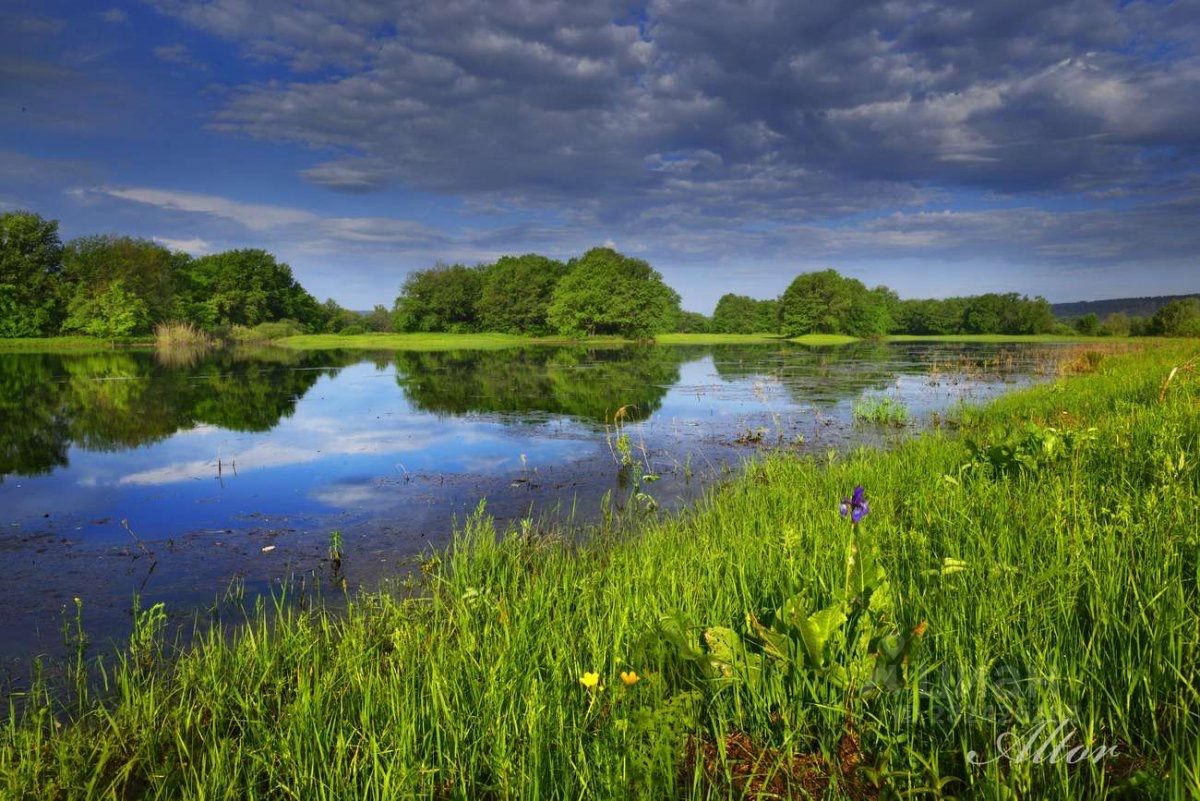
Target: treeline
(601, 292)
(120, 286)
(828, 303)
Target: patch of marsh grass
(881, 410)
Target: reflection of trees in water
(813, 375)
(827, 375)
(113, 400)
(34, 430)
(589, 384)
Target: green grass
(69, 343)
(881, 409)
(1078, 602)
(716, 339)
(1001, 338)
(430, 341)
(824, 339)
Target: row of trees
(114, 286)
(601, 292)
(1179, 318)
(827, 302)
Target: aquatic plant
(881, 409)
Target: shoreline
(489, 653)
(485, 341)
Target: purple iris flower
(856, 505)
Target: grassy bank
(74, 343)
(494, 341)
(1045, 573)
(498, 341)
(429, 341)
(1001, 338)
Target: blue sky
(1048, 148)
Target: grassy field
(1038, 565)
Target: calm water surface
(123, 473)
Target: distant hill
(1134, 307)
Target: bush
(181, 335)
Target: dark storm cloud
(695, 114)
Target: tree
(815, 303)
(442, 298)
(1116, 324)
(515, 293)
(1179, 318)
(110, 313)
(690, 322)
(1087, 325)
(378, 320)
(338, 319)
(145, 269)
(739, 314)
(929, 316)
(246, 287)
(870, 310)
(827, 303)
(30, 268)
(605, 292)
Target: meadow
(1025, 573)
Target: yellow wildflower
(590, 680)
(630, 678)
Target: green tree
(1087, 325)
(246, 287)
(1116, 324)
(111, 313)
(870, 311)
(378, 320)
(690, 322)
(515, 293)
(825, 302)
(739, 314)
(605, 292)
(815, 303)
(30, 270)
(339, 319)
(442, 298)
(1179, 318)
(145, 269)
(929, 316)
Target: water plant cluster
(881, 409)
(887, 624)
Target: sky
(1047, 148)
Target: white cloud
(195, 245)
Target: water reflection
(212, 459)
(116, 400)
(584, 383)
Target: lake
(126, 472)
